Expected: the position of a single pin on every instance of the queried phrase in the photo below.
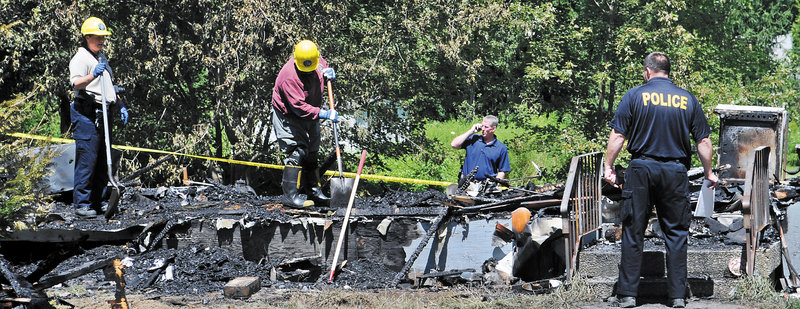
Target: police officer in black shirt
(659, 120)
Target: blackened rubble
(202, 268)
(140, 206)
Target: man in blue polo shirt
(483, 150)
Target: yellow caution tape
(273, 166)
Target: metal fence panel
(755, 203)
(580, 205)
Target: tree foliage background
(199, 73)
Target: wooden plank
(76, 272)
(20, 286)
(73, 235)
(390, 211)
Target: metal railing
(580, 205)
(755, 203)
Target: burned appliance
(745, 128)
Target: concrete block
(242, 287)
(702, 261)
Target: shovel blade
(340, 191)
(113, 202)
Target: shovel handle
(361, 163)
(335, 133)
(330, 94)
(347, 215)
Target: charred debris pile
(146, 235)
(154, 263)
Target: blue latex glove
(329, 73)
(330, 114)
(99, 68)
(123, 111)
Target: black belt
(660, 159)
(85, 107)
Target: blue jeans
(91, 173)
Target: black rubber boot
(290, 185)
(313, 189)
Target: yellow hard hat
(306, 56)
(95, 26)
(519, 219)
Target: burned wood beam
(76, 272)
(410, 262)
(18, 300)
(445, 273)
(161, 235)
(505, 183)
(539, 204)
(73, 235)
(425, 197)
(490, 206)
(21, 287)
(386, 212)
(697, 172)
(141, 239)
(141, 171)
(47, 265)
(533, 205)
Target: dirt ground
(340, 298)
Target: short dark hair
(657, 61)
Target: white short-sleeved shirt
(83, 64)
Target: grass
(792, 158)
(758, 290)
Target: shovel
(340, 186)
(342, 232)
(113, 200)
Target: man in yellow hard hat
(297, 108)
(86, 69)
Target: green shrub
(20, 171)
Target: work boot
(290, 185)
(623, 301)
(313, 189)
(86, 212)
(678, 303)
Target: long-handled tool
(347, 215)
(113, 200)
(780, 218)
(340, 186)
(795, 280)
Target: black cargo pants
(665, 185)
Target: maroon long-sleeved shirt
(299, 93)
